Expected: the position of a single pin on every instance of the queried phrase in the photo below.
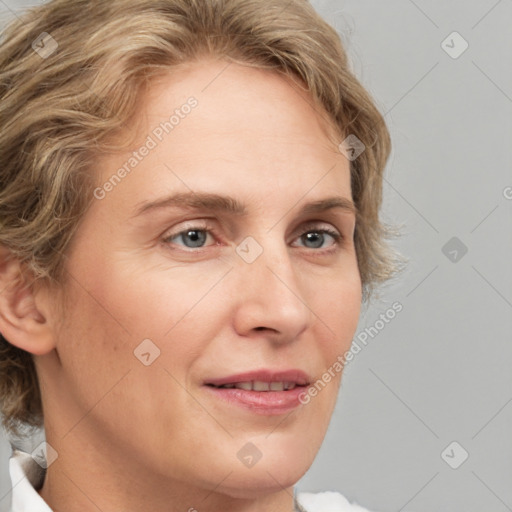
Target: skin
(133, 437)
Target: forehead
(239, 100)
(246, 128)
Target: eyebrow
(226, 204)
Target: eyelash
(337, 237)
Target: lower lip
(261, 402)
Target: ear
(23, 320)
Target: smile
(258, 385)
(264, 392)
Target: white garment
(27, 477)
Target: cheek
(338, 305)
(127, 314)
(342, 310)
(338, 308)
(147, 302)
(108, 321)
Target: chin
(276, 470)
(253, 484)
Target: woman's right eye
(191, 238)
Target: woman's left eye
(317, 238)
(191, 238)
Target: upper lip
(299, 377)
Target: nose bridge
(272, 294)
(270, 265)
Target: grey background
(440, 370)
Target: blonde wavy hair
(59, 111)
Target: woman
(189, 224)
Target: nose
(270, 300)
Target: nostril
(266, 329)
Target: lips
(258, 385)
(262, 392)
(262, 380)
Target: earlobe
(22, 323)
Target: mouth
(260, 385)
(262, 380)
(262, 392)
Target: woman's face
(250, 268)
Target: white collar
(27, 477)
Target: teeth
(258, 385)
(247, 386)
